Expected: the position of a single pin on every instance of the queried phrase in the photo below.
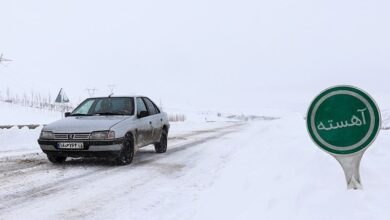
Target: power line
(91, 91)
(111, 87)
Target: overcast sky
(217, 54)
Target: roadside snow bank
(19, 140)
(19, 115)
(386, 119)
(15, 139)
(280, 174)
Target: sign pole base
(351, 166)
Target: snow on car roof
(118, 96)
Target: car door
(156, 120)
(144, 128)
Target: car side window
(157, 109)
(97, 106)
(140, 106)
(150, 106)
(122, 105)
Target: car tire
(56, 159)
(161, 147)
(127, 153)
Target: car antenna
(110, 95)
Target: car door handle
(150, 122)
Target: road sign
(344, 121)
(61, 97)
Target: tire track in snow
(85, 209)
(12, 200)
(19, 164)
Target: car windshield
(105, 106)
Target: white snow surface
(12, 114)
(16, 141)
(212, 170)
(386, 119)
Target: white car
(113, 127)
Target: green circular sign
(343, 120)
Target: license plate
(71, 145)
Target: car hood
(85, 124)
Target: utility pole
(2, 60)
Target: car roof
(124, 96)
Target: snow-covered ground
(12, 114)
(212, 170)
(386, 119)
(19, 141)
(279, 174)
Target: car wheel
(127, 153)
(161, 147)
(56, 159)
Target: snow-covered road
(32, 188)
(258, 170)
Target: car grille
(71, 136)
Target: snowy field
(19, 115)
(212, 170)
(15, 141)
(241, 73)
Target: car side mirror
(67, 114)
(143, 114)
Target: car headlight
(47, 135)
(102, 135)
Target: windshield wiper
(109, 113)
(78, 114)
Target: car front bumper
(91, 148)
